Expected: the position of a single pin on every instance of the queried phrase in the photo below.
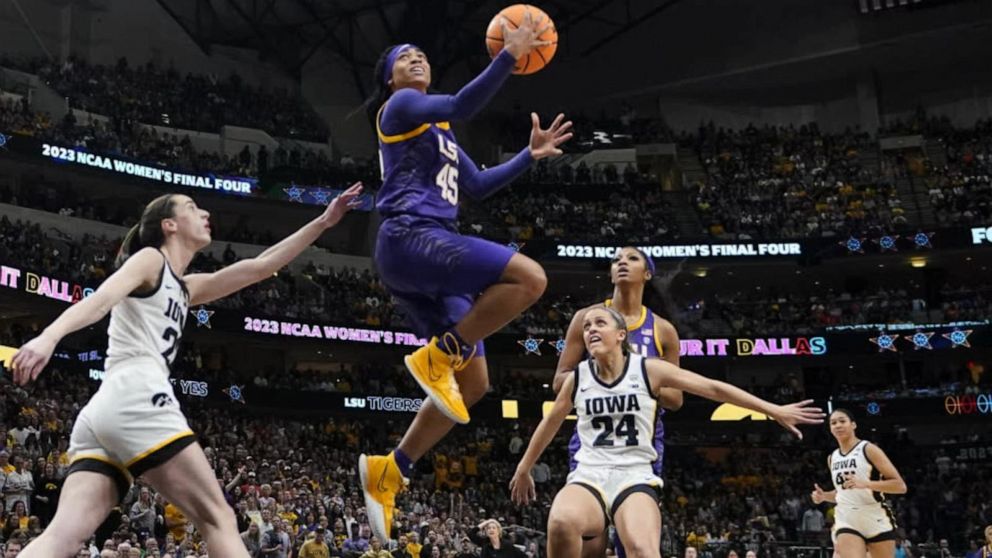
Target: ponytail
(381, 90)
(148, 231)
(130, 245)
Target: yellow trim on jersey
(396, 138)
(657, 339)
(102, 459)
(158, 446)
(639, 323)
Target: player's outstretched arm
(522, 484)
(142, 269)
(665, 374)
(205, 287)
(480, 184)
(409, 107)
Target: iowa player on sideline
(862, 475)
(435, 274)
(133, 426)
(615, 393)
(649, 335)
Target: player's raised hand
(520, 41)
(818, 495)
(798, 413)
(546, 142)
(522, 490)
(343, 203)
(31, 359)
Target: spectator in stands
(316, 547)
(494, 544)
(18, 486)
(813, 524)
(402, 550)
(376, 551)
(253, 540)
(142, 512)
(48, 487)
(357, 543)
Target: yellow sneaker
(381, 482)
(434, 370)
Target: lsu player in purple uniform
(456, 290)
(649, 335)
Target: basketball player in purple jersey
(433, 272)
(649, 335)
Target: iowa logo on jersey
(162, 399)
(730, 412)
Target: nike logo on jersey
(583, 388)
(168, 287)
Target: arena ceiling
(768, 52)
(290, 32)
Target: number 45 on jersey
(447, 177)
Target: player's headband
(387, 71)
(648, 262)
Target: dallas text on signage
(48, 287)
(776, 346)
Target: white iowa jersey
(149, 324)
(856, 461)
(616, 421)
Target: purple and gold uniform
(433, 272)
(645, 339)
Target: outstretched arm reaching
(522, 484)
(408, 108)
(205, 287)
(543, 143)
(140, 270)
(662, 373)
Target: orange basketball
(512, 16)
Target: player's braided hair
(381, 92)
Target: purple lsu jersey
(645, 340)
(419, 171)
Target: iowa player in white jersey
(648, 335)
(862, 475)
(615, 394)
(132, 426)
